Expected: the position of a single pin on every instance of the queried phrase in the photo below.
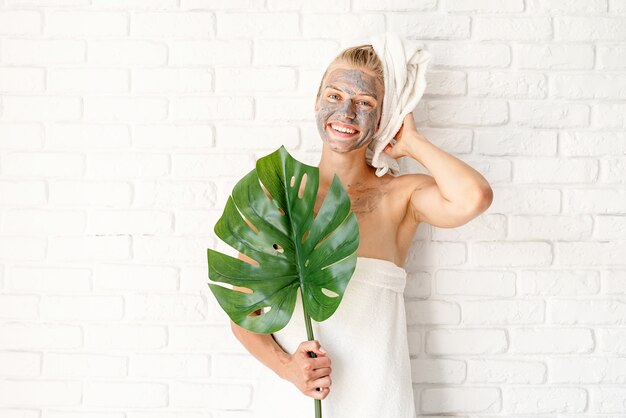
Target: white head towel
(405, 62)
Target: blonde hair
(361, 56)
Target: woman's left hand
(406, 134)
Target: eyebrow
(366, 93)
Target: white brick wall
(125, 124)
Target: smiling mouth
(342, 134)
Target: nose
(347, 110)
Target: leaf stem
(310, 337)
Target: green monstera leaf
(292, 249)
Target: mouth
(341, 130)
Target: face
(350, 99)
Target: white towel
(405, 62)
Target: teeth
(344, 130)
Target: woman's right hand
(309, 373)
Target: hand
(309, 373)
(406, 134)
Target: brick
(558, 282)
(44, 51)
(554, 56)
(425, 26)
(612, 57)
(549, 115)
(43, 222)
(438, 254)
(524, 143)
(211, 108)
(324, 6)
(600, 312)
(87, 24)
(87, 308)
(437, 371)
(172, 25)
(589, 144)
(568, 7)
(613, 282)
(422, 5)
(90, 193)
(39, 336)
(182, 194)
(40, 393)
(214, 52)
(267, 138)
(596, 201)
(520, 253)
(128, 394)
(555, 170)
(222, 4)
(503, 311)
(490, 226)
(482, 6)
(475, 283)
(588, 86)
(51, 279)
(590, 253)
(127, 165)
(506, 371)
(88, 81)
(89, 248)
(294, 52)
(211, 165)
(22, 248)
(19, 306)
(20, 364)
(506, 84)
(452, 54)
(612, 170)
(204, 338)
(463, 400)
(609, 115)
(168, 249)
(84, 365)
(583, 28)
(161, 308)
(125, 337)
(20, 22)
(86, 136)
(246, 80)
(21, 136)
(473, 113)
(466, 341)
(521, 400)
(21, 80)
(588, 370)
(418, 285)
(129, 222)
(127, 53)
(551, 340)
(218, 396)
(566, 228)
(135, 109)
(432, 312)
(49, 164)
(22, 193)
(136, 4)
(284, 109)
(512, 28)
(173, 80)
(608, 399)
(611, 340)
(171, 365)
(258, 25)
(173, 136)
(133, 277)
(333, 26)
(445, 83)
(41, 108)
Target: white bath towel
(405, 62)
(366, 340)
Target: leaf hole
(304, 237)
(302, 186)
(293, 181)
(278, 248)
(306, 263)
(242, 289)
(329, 293)
(265, 191)
(282, 212)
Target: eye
(331, 95)
(366, 103)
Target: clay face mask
(353, 99)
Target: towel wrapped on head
(404, 62)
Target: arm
(453, 195)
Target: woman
(389, 209)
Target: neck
(350, 167)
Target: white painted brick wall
(125, 124)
